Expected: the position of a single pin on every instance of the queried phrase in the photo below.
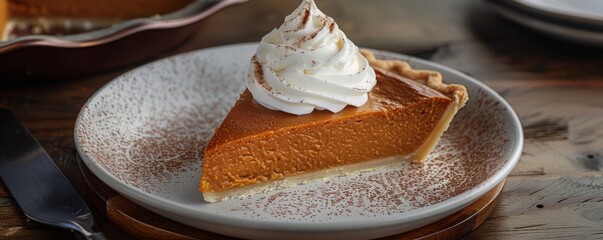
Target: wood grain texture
(564, 207)
(555, 87)
(561, 122)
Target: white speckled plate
(143, 134)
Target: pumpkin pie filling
(316, 107)
(257, 149)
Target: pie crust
(431, 79)
(259, 150)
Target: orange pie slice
(257, 149)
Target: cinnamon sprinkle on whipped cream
(308, 63)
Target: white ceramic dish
(554, 18)
(143, 134)
(585, 10)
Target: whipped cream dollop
(308, 63)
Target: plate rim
(557, 16)
(133, 193)
(186, 15)
(555, 28)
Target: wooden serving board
(141, 223)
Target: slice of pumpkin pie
(316, 107)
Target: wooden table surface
(556, 88)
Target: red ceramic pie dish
(51, 57)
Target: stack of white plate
(576, 20)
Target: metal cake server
(40, 189)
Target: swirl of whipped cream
(308, 63)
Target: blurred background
(545, 57)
